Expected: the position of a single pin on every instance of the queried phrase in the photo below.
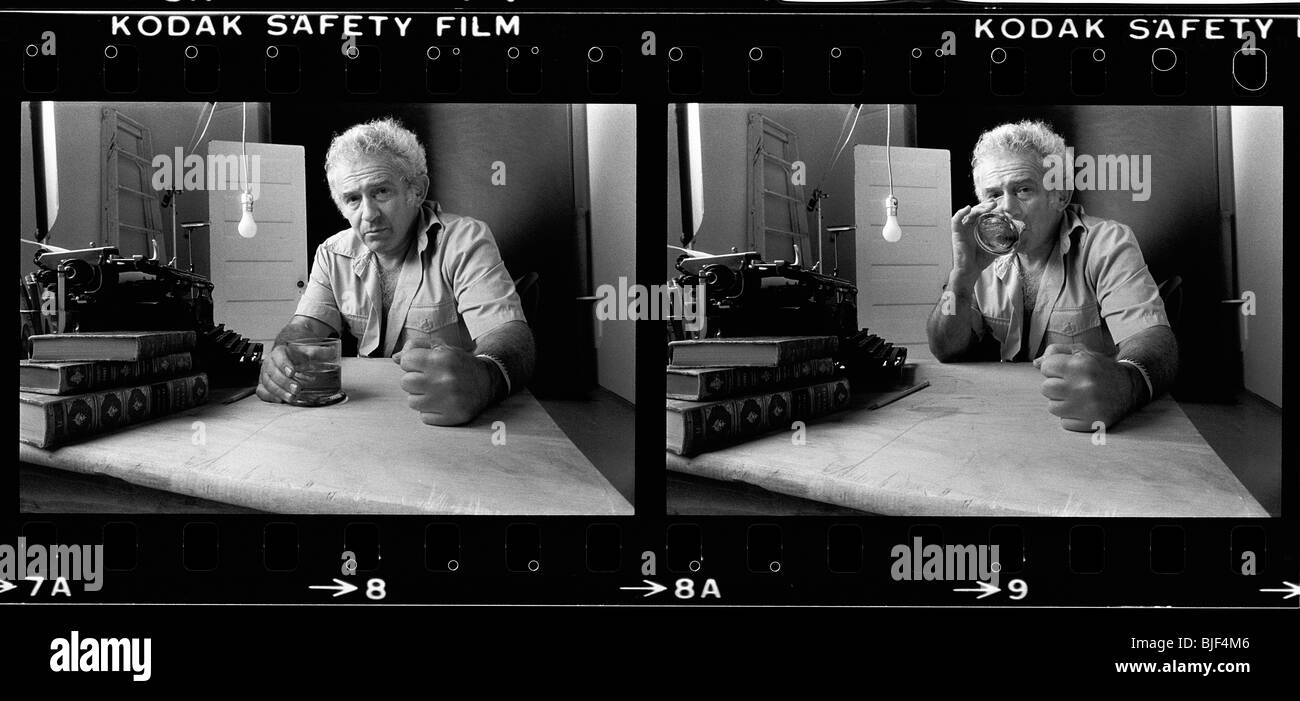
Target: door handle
(1247, 303)
(1247, 300)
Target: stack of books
(81, 384)
(723, 391)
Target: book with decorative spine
(697, 427)
(49, 420)
(111, 345)
(80, 376)
(703, 384)
(750, 350)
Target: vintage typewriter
(95, 289)
(746, 296)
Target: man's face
(377, 202)
(1015, 182)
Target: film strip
(558, 129)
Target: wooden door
(258, 281)
(1257, 205)
(899, 283)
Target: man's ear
(334, 196)
(338, 205)
(419, 187)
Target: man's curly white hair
(1033, 138)
(386, 138)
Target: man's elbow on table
(943, 346)
(946, 354)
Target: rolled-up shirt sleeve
(1126, 293)
(485, 293)
(318, 300)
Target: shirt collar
(1071, 221)
(429, 221)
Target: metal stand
(835, 232)
(170, 202)
(189, 228)
(817, 197)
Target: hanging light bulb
(247, 227)
(892, 231)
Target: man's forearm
(512, 344)
(949, 327)
(1156, 350)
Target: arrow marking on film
(342, 587)
(651, 590)
(6, 586)
(988, 589)
(1291, 590)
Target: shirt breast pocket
(1079, 325)
(355, 319)
(997, 327)
(354, 309)
(425, 319)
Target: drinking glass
(997, 232)
(317, 370)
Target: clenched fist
(445, 384)
(1083, 386)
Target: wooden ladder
(124, 141)
(778, 217)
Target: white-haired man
(1074, 295)
(408, 281)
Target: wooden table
(368, 455)
(980, 442)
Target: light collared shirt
(453, 286)
(1095, 291)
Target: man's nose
(1008, 203)
(369, 210)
